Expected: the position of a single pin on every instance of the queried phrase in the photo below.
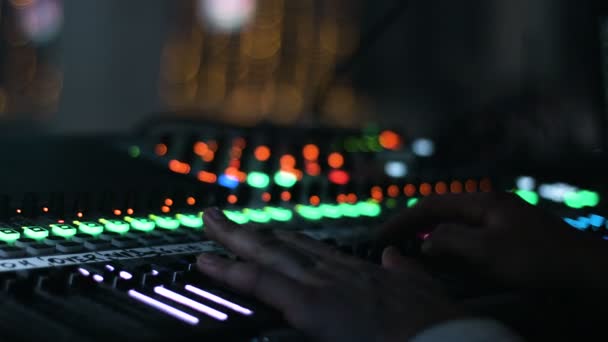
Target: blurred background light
(396, 169)
(423, 147)
(226, 15)
(39, 20)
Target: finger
(457, 240)
(265, 249)
(468, 208)
(270, 287)
(315, 247)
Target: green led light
(115, 226)
(285, 179)
(258, 180)
(331, 211)
(258, 216)
(581, 199)
(165, 222)
(412, 202)
(279, 214)
(236, 216)
(370, 209)
(9, 235)
(190, 220)
(134, 151)
(35, 232)
(91, 228)
(63, 230)
(309, 213)
(528, 196)
(391, 203)
(140, 223)
(349, 210)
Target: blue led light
(577, 224)
(228, 181)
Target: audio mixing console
(101, 242)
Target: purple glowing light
(164, 307)
(218, 300)
(176, 297)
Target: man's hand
(323, 293)
(504, 237)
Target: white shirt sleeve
(468, 330)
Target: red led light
(117, 212)
(45, 209)
(160, 150)
(456, 187)
(208, 158)
(286, 196)
(310, 152)
(201, 149)
(266, 197)
(61, 221)
(485, 185)
(393, 191)
(441, 188)
(239, 143)
(377, 193)
(207, 177)
(341, 198)
(288, 162)
(79, 214)
(390, 140)
(426, 189)
(179, 167)
(339, 177)
(18, 211)
(409, 190)
(262, 153)
(335, 160)
(313, 169)
(470, 185)
(191, 200)
(232, 199)
(315, 200)
(130, 211)
(351, 198)
(165, 209)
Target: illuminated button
(258, 180)
(309, 212)
(331, 211)
(258, 216)
(35, 232)
(190, 220)
(89, 228)
(141, 224)
(9, 235)
(279, 214)
(412, 202)
(165, 222)
(349, 210)
(63, 230)
(236, 216)
(528, 196)
(115, 226)
(370, 209)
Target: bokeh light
(226, 15)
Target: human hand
(323, 293)
(504, 237)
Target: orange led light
(377, 193)
(310, 152)
(208, 158)
(315, 200)
(335, 160)
(45, 209)
(212, 145)
(79, 214)
(409, 190)
(485, 185)
(236, 153)
(18, 211)
(441, 188)
(130, 211)
(426, 189)
(232, 199)
(351, 198)
(285, 196)
(470, 185)
(201, 149)
(390, 140)
(160, 150)
(168, 202)
(262, 153)
(288, 162)
(165, 209)
(207, 177)
(456, 187)
(313, 169)
(341, 198)
(266, 197)
(191, 200)
(393, 191)
(239, 143)
(179, 167)
(117, 212)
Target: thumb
(455, 240)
